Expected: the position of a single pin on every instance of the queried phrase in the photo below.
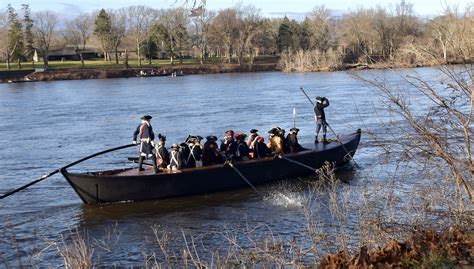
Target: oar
(64, 167)
(243, 177)
(337, 136)
(298, 163)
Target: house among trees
(68, 53)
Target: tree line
(240, 33)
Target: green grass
(99, 63)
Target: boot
(324, 139)
(316, 139)
(140, 164)
(155, 167)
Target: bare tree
(438, 123)
(140, 20)
(224, 30)
(118, 24)
(201, 25)
(172, 30)
(319, 28)
(43, 30)
(250, 22)
(77, 33)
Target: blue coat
(144, 131)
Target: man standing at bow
(145, 133)
(320, 117)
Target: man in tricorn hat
(228, 145)
(275, 142)
(210, 152)
(292, 138)
(320, 117)
(145, 133)
(162, 154)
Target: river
(46, 125)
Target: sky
(269, 8)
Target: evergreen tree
(28, 33)
(15, 37)
(288, 35)
(284, 35)
(103, 29)
(305, 35)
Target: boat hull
(129, 185)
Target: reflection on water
(46, 125)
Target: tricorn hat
(273, 130)
(240, 137)
(294, 129)
(253, 131)
(161, 137)
(146, 117)
(229, 133)
(211, 137)
(174, 146)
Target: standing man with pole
(145, 133)
(320, 117)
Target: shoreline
(29, 75)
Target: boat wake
(287, 199)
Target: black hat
(241, 137)
(229, 132)
(146, 117)
(253, 131)
(294, 129)
(211, 137)
(273, 130)
(161, 137)
(199, 137)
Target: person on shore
(175, 158)
(292, 139)
(210, 152)
(320, 117)
(275, 143)
(242, 151)
(260, 149)
(145, 133)
(162, 154)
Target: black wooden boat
(130, 185)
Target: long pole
(243, 177)
(294, 117)
(337, 136)
(64, 167)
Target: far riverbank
(101, 72)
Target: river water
(46, 125)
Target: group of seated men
(234, 146)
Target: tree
(202, 24)
(117, 30)
(224, 31)
(14, 37)
(28, 33)
(172, 31)
(249, 26)
(45, 23)
(140, 20)
(288, 35)
(77, 33)
(103, 29)
(318, 28)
